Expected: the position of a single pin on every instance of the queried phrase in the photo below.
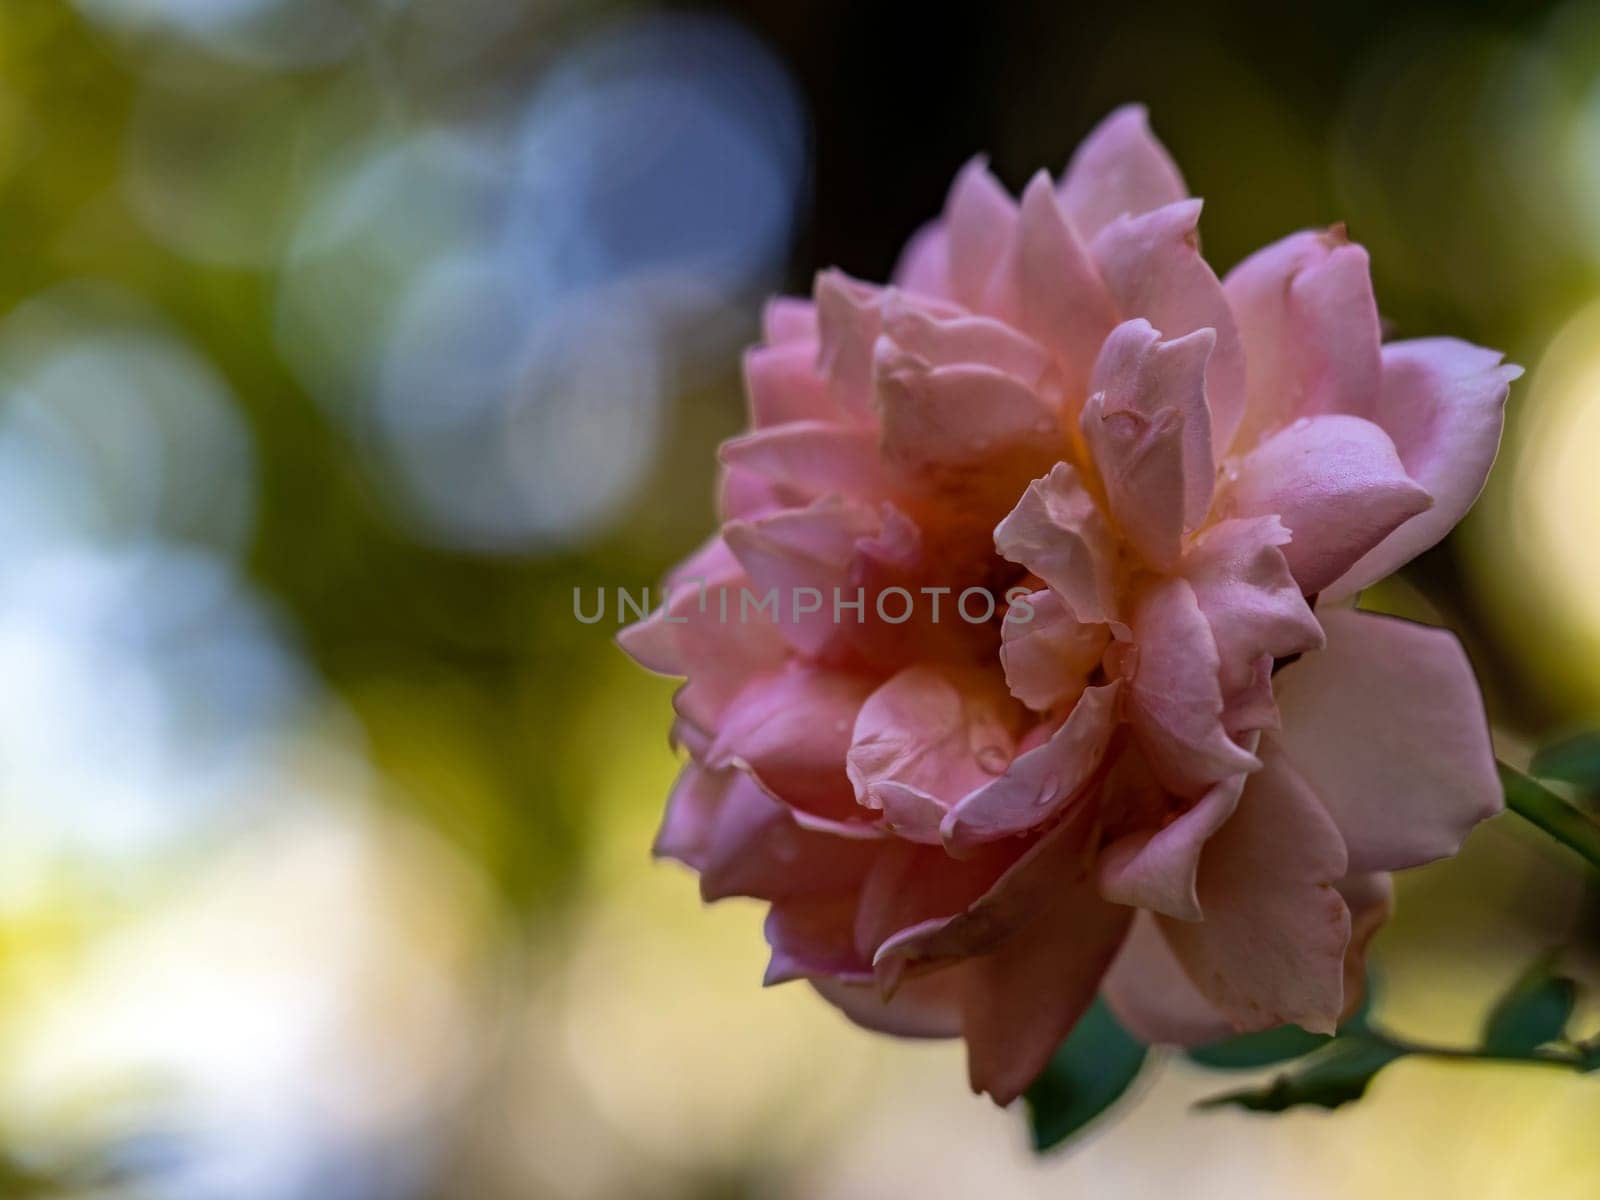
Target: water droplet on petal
(1047, 791)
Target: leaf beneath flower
(1535, 1011)
(1571, 760)
(1087, 1074)
(1335, 1076)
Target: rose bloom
(1176, 765)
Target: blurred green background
(340, 340)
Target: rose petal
(1271, 947)
(791, 730)
(1175, 703)
(978, 219)
(1156, 870)
(782, 385)
(1339, 487)
(812, 459)
(1243, 585)
(1310, 329)
(926, 738)
(1152, 997)
(1387, 727)
(1048, 287)
(1039, 780)
(1443, 403)
(1049, 656)
(1152, 267)
(926, 1007)
(1149, 431)
(924, 265)
(1057, 531)
(1120, 169)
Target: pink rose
(1173, 763)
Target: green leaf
(1249, 1051)
(1535, 1011)
(1336, 1075)
(1085, 1076)
(1572, 760)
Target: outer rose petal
(924, 265)
(1387, 727)
(1153, 269)
(1443, 403)
(1338, 486)
(753, 847)
(1175, 702)
(1157, 870)
(1243, 586)
(848, 323)
(1310, 329)
(782, 385)
(1048, 658)
(1271, 947)
(791, 730)
(813, 936)
(1039, 780)
(1149, 432)
(1119, 169)
(788, 319)
(1039, 942)
(978, 218)
(1153, 998)
(928, 1006)
(1059, 534)
(1023, 999)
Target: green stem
(1534, 802)
(1577, 1058)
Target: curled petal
(1149, 430)
(925, 739)
(1175, 702)
(942, 340)
(1387, 727)
(1243, 585)
(1041, 779)
(1442, 401)
(1120, 169)
(1049, 656)
(1057, 532)
(1310, 329)
(1338, 486)
(1271, 947)
(1152, 267)
(1156, 870)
